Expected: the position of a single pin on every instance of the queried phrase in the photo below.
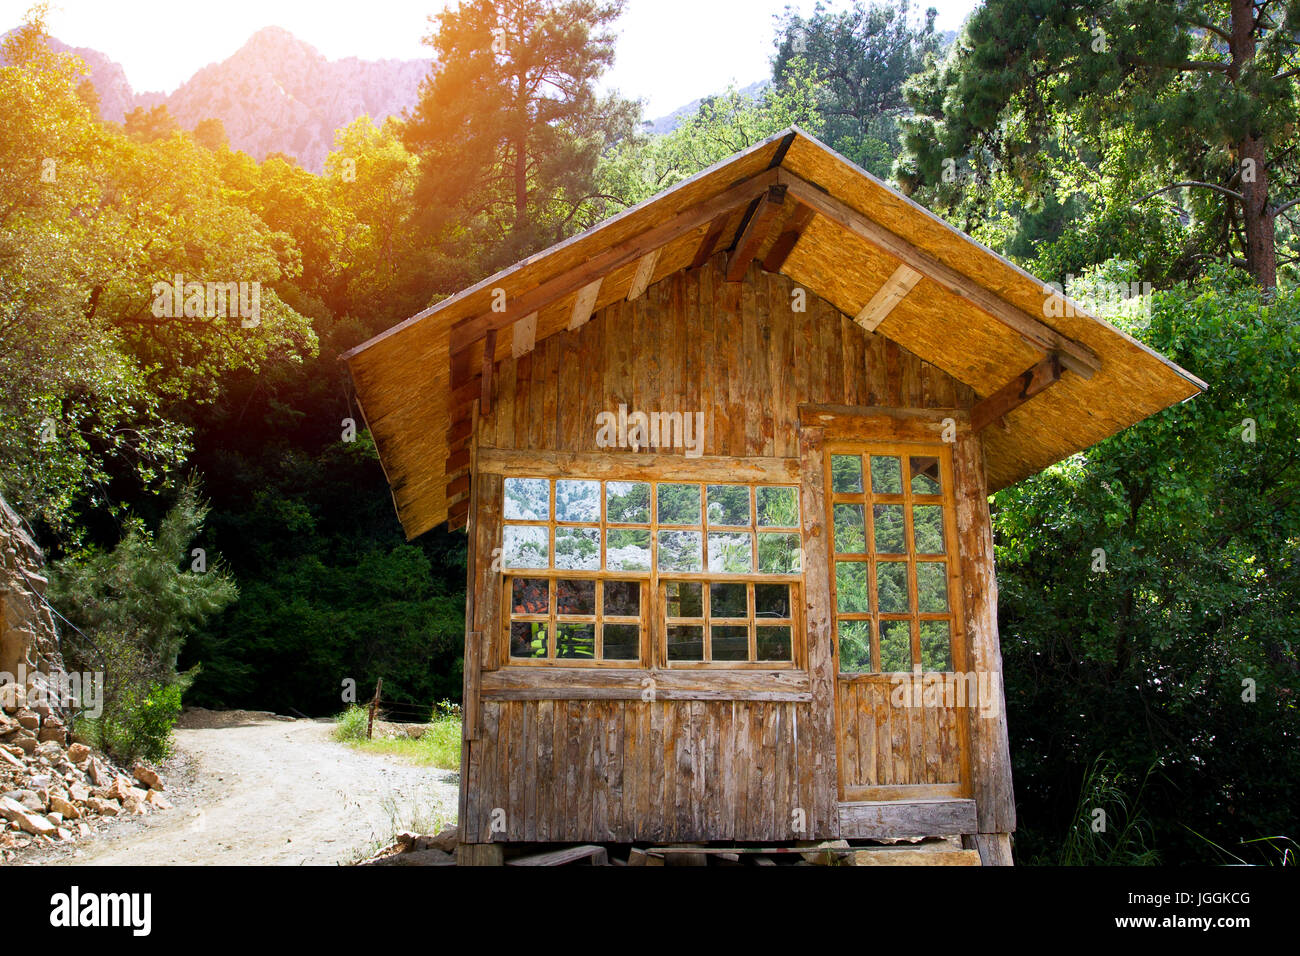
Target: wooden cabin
(724, 463)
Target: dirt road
(256, 789)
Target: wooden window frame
(869, 499)
(653, 617)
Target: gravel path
(259, 789)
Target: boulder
(148, 777)
(157, 800)
(108, 808)
(32, 823)
(26, 742)
(27, 719)
(52, 734)
(13, 697)
(78, 753)
(29, 799)
(67, 808)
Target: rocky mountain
(275, 94)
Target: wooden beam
(489, 363)
(645, 271)
(456, 462)
(710, 241)
(632, 466)
(457, 488)
(585, 304)
(904, 819)
(464, 392)
(754, 233)
(472, 328)
(523, 335)
(460, 429)
(887, 296)
(1074, 356)
(785, 243)
(1016, 392)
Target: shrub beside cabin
(724, 463)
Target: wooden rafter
(790, 235)
(584, 305)
(1016, 392)
(473, 328)
(710, 240)
(887, 296)
(645, 271)
(1074, 356)
(754, 232)
(523, 336)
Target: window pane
(627, 502)
(575, 641)
(528, 639)
(524, 547)
(927, 529)
(850, 529)
(730, 642)
(577, 549)
(685, 642)
(685, 599)
(679, 504)
(891, 588)
(530, 596)
(886, 476)
(895, 646)
(932, 587)
(772, 600)
(577, 501)
(936, 646)
(729, 504)
(773, 643)
(627, 549)
(681, 551)
(622, 598)
(925, 476)
(728, 600)
(622, 642)
(575, 597)
(855, 647)
(731, 552)
(846, 473)
(778, 552)
(527, 499)
(851, 587)
(889, 529)
(778, 507)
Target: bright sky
(669, 52)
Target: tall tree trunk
(1257, 218)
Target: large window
(582, 558)
(895, 573)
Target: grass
(438, 747)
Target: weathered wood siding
(571, 766)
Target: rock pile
(51, 793)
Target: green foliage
(862, 56)
(510, 125)
(130, 610)
(1149, 660)
(1124, 105)
(1107, 829)
(352, 724)
(639, 166)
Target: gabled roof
(804, 210)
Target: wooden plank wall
(695, 342)
(617, 770)
(620, 770)
(886, 745)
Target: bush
(352, 724)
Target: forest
(222, 533)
